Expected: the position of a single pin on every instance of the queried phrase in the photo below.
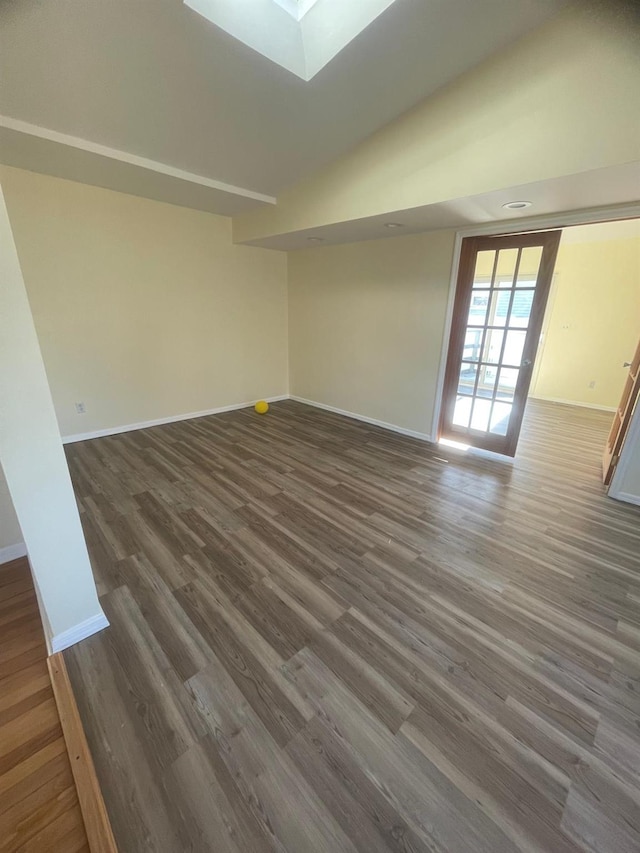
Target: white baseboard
(422, 436)
(116, 430)
(627, 498)
(573, 403)
(60, 642)
(13, 552)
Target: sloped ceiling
(152, 79)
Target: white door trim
(632, 440)
(588, 216)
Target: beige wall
(366, 323)
(592, 325)
(144, 310)
(558, 102)
(10, 533)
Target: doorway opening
(544, 315)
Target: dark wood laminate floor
(39, 809)
(327, 637)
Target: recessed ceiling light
(393, 225)
(315, 239)
(517, 205)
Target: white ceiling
(152, 79)
(613, 187)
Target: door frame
(632, 439)
(549, 242)
(587, 216)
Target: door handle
(626, 364)
(527, 362)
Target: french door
(622, 419)
(501, 295)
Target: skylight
(296, 8)
(300, 35)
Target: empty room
(319, 426)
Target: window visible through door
(502, 290)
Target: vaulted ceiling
(92, 90)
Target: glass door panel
(529, 265)
(513, 347)
(521, 310)
(506, 267)
(507, 384)
(480, 414)
(472, 344)
(500, 416)
(502, 290)
(493, 342)
(467, 379)
(487, 375)
(462, 412)
(484, 269)
(477, 314)
(499, 302)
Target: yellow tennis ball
(261, 407)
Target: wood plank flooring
(328, 637)
(39, 808)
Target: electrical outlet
(592, 384)
(80, 408)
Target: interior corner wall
(592, 323)
(366, 326)
(10, 533)
(144, 310)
